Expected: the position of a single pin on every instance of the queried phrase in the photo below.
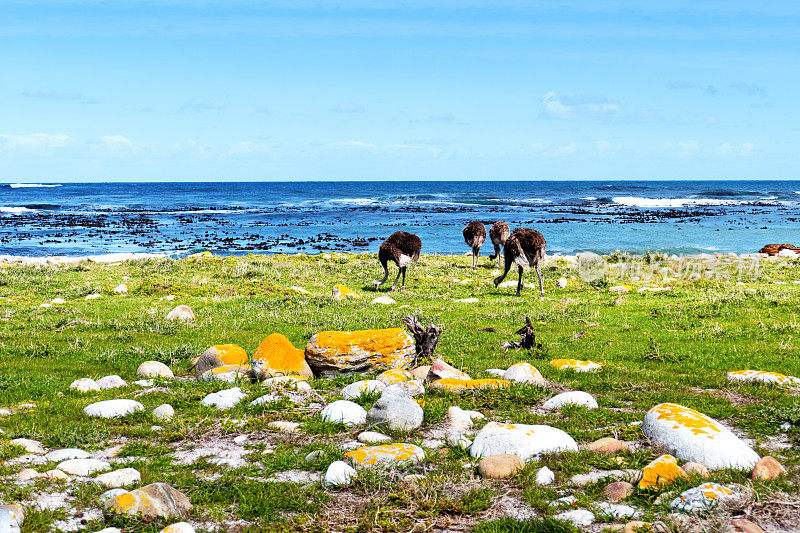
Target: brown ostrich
(525, 247)
(402, 248)
(499, 232)
(474, 236)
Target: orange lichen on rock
(661, 471)
(575, 364)
(460, 385)
(385, 454)
(373, 341)
(281, 357)
(696, 422)
(340, 292)
(231, 354)
(372, 349)
(395, 375)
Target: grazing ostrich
(499, 233)
(403, 249)
(475, 236)
(525, 247)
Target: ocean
(176, 219)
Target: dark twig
(528, 339)
(425, 339)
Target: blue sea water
(682, 217)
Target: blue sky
(244, 90)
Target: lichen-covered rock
(154, 369)
(385, 455)
(576, 365)
(178, 527)
(355, 351)
(441, 370)
(410, 388)
(523, 440)
(11, 518)
(84, 385)
(226, 373)
(524, 373)
(661, 471)
(181, 312)
(761, 376)
(701, 498)
(395, 375)
(223, 354)
(458, 386)
(113, 408)
(340, 292)
(281, 358)
(358, 388)
(344, 411)
(150, 501)
(580, 398)
(693, 436)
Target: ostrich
(499, 232)
(403, 249)
(474, 236)
(525, 247)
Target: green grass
(660, 346)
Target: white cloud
(34, 141)
(347, 107)
(355, 144)
(688, 147)
(730, 149)
(577, 106)
(251, 147)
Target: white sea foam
(767, 197)
(32, 185)
(102, 258)
(635, 201)
(589, 198)
(16, 210)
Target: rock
(576, 365)
(637, 526)
(218, 355)
(618, 490)
(373, 437)
(150, 501)
(339, 474)
(766, 469)
(287, 383)
(31, 446)
(280, 358)
(313, 456)
(457, 440)
(695, 468)
(56, 456)
(224, 399)
(11, 520)
(395, 375)
(84, 385)
(561, 283)
(661, 471)
(356, 351)
(608, 446)
(619, 289)
(340, 292)
(113, 408)
(178, 527)
(616, 510)
(457, 386)
(467, 300)
(164, 412)
(580, 398)
(284, 425)
(762, 377)
(111, 382)
(524, 373)
(441, 370)
(83, 467)
(154, 369)
(383, 300)
(93, 296)
(409, 388)
(775, 249)
(545, 476)
(120, 289)
(459, 420)
(525, 441)
(181, 312)
(578, 517)
(226, 373)
(119, 478)
(301, 290)
(420, 373)
(701, 498)
(742, 525)
(26, 474)
(631, 475)
(398, 412)
(45, 305)
(346, 412)
(500, 466)
(385, 455)
(693, 436)
(55, 475)
(109, 494)
(496, 372)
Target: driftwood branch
(528, 339)
(425, 339)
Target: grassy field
(719, 314)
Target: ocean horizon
(179, 218)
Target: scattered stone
(580, 398)
(616, 510)
(441, 370)
(762, 377)
(742, 525)
(619, 289)
(339, 474)
(561, 283)
(227, 373)
(83, 467)
(766, 469)
(285, 426)
(45, 305)
(121, 289)
(144, 382)
(119, 478)
(224, 399)
(27, 473)
(93, 296)
(500, 466)
(84, 385)
(154, 369)
(164, 412)
(219, 355)
(55, 475)
(631, 475)
(10, 520)
(420, 373)
(56, 456)
(578, 517)
(398, 412)
(618, 490)
(695, 468)
(524, 373)
(701, 498)
(383, 300)
(340, 292)
(395, 375)
(661, 471)
(608, 446)
(496, 372)
(178, 527)
(457, 386)
(385, 455)
(313, 456)
(109, 494)
(150, 501)
(467, 300)
(279, 357)
(457, 440)
(301, 290)
(111, 382)
(181, 312)
(355, 351)
(693, 436)
(373, 437)
(433, 444)
(31, 446)
(545, 476)
(113, 408)
(525, 441)
(409, 388)
(346, 412)
(576, 365)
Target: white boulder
(119, 478)
(83, 467)
(111, 382)
(702, 498)
(344, 411)
(545, 476)
(398, 412)
(63, 454)
(523, 440)
(154, 369)
(164, 412)
(224, 399)
(113, 408)
(576, 397)
(384, 300)
(339, 474)
(524, 373)
(84, 385)
(355, 390)
(181, 312)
